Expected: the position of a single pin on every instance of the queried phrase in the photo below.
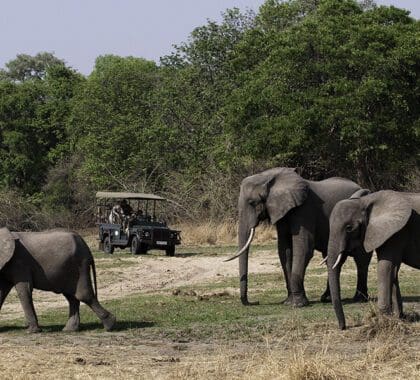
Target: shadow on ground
(120, 326)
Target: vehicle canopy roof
(123, 195)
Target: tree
(337, 94)
(110, 120)
(33, 117)
(25, 66)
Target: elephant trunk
(334, 269)
(244, 237)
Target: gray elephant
(300, 209)
(385, 221)
(57, 261)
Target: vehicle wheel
(143, 249)
(135, 246)
(108, 247)
(170, 251)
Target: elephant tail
(95, 286)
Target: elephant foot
(33, 329)
(245, 302)
(300, 301)
(326, 298)
(288, 300)
(360, 297)
(109, 322)
(71, 327)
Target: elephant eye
(259, 208)
(349, 228)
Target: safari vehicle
(136, 227)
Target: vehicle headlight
(146, 234)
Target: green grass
(187, 316)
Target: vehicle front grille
(160, 235)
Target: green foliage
(110, 120)
(25, 67)
(337, 94)
(33, 116)
(329, 86)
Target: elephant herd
(339, 219)
(334, 216)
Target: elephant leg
(73, 323)
(108, 319)
(302, 253)
(84, 293)
(385, 285)
(24, 291)
(397, 307)
(362, 260)
(5, 288)
(285, 256)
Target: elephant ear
(7, 246)
(287, 190)
(388, 212)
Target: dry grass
(378, 325)
(328, 356)
(223, 233)
(203, 234)
(269, 363)
(380, 360)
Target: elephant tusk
(251, 236)
(324, 260)
(338, 261)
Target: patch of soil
(151, 274)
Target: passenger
(116, 215)
(127, 215)
(126, 208)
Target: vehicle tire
(108, 247)
(170, 251)
(135, 246)
(143, 248)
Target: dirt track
(122, 275)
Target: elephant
(300, 209)
(386, 221)
(57, 260)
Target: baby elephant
(57, 261)
(385, 221)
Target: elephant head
(366, 222)
(7, 246)
(267, 195)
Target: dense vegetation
(329, 86)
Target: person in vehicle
(127, 214)
(127, 210)
(115, 216)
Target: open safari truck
(129, 220)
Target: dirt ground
(123, 354)
(145, 274)
(81, 355)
